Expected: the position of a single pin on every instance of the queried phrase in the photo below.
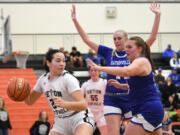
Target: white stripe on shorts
(111, 110)
(139, 119)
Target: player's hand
(73, 12)
(113, 82)
(93, 65)
(155, 8)
(58, 101)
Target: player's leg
(59, 127)
(113, 124)
(84, 129)
(157, 132)
(103, 130)
(134, 129)
(82, 123)
(101, 124)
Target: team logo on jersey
(53, 93)
(123, 62)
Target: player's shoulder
(86, 82)
(67, 76)
(44, 75)
(104, 80)
(141, 61)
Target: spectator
(175, 62)
(168, 53)
(68, 62)
(76, 58)
(67, 57)
(41, 126)
(96, 59)
(159, 78)
(89, 55)
(4, 118)
(166, 125)
(168, 92)
(61, 49)
(176, 101)
(175, 118)
(178, 53)
(175, 77)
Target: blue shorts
(149, 115)
(114, 105)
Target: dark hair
(145, 49)
(49, 57)
(3, 105)
(74, 48)
(40, 116)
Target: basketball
(18, 89)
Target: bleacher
(36, 62)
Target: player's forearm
(80, 30)
(123, 86)
(84, 36)
(32, 98)
(29, 100)
(77, 105)
(118, 71)
(155, 29)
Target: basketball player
(145, 103)
(64, 97)
(94, 90)
(116, 104)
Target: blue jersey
(119, 59)
(142, 89)
(145, 101)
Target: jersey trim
(86, 119)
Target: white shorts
(140, 120)
(68, 125)
(111, 110)
(99, 119)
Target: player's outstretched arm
(77, 105)
(155, 8)
(32, 98)
(81, 32)
(131, 70)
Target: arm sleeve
(38, 85)
(72, 84)
(104, 51)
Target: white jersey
(62, 87)
(94, 94)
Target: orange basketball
(18, 89)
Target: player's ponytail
(148, 56)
